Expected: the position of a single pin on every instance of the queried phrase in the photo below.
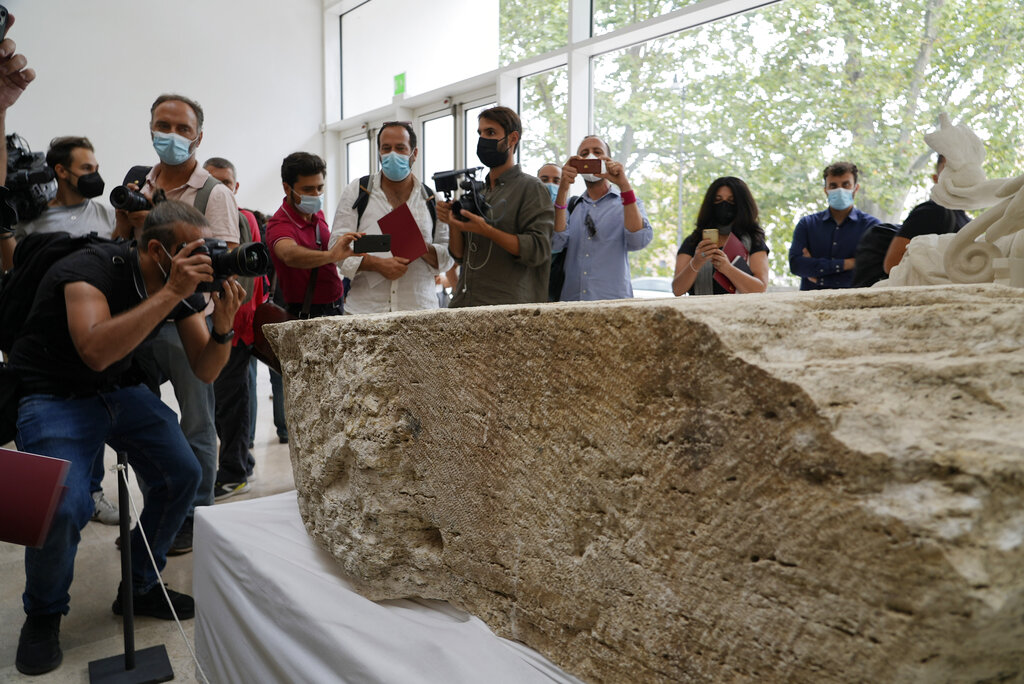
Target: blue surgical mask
(172, 148)
(553, 189)
(309, 204)
(395, 166)
(840, 199)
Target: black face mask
(488, 153)
(724, 213)
(90, 185)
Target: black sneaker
(225, 490)
(182, 543)
(39, 645)
(153, 604)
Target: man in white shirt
(383, 282)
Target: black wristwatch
(222, 339)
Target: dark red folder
(406, 239)
(733, 248)
(31, 487)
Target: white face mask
(589, 177)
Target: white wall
(255, 66)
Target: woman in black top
(729, 207)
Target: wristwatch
(222, 339)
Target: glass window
(614, 14)
(437, 147)
(357, 156)
(775, 95)
(543, 108)
(532, 28)
(470, 118)
(439, 45)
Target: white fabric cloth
(370, 291)
(271, 606)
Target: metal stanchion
(150, 664)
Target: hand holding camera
(189, 268)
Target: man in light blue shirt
(602, 226)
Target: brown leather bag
(268, 312)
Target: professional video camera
(30, 182)
(123, 197)
(447, 182)
(248, 259)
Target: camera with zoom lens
(30, 181)
(123, 197)
(471, 199)
(248, 259)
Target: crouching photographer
(92, 309)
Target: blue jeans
(129, 419)
(164, 357)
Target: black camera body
(123, 197)
(248, 259)
(30, 180)
(471, 200)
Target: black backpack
(33, 257)
(557, 278)
(870, 254)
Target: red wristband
(628, 197)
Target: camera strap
(307, 303)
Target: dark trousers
(231, 391)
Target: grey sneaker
(105, 511)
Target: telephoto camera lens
(123, 197)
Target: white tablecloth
(271, 606)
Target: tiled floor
(91, 631)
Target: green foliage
(776, 94)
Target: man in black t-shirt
(927, 218)
(92, 309)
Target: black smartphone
(3, 22)
(372, 243)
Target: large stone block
(789, 487)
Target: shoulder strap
(432, 208)
(573, 201)
(203, 196)
(362, 199)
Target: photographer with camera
(298, 235)
(92, 310)
(387, 282)
(599, 228)
(176, 129)
(505, 257)
(14, 78)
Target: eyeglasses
(589, 223)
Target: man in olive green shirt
(505, 257)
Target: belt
(316, 310)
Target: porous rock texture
(813, 487)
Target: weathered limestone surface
(791, 487)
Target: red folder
(31, 488)
(406, 239)
(733, 248)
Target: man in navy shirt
(823, 248)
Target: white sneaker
(105, 512)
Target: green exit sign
(400, 83)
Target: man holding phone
(385, 282)
(599, 228)
(298, 237)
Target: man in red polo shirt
(298, 236)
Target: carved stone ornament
(988, 249)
